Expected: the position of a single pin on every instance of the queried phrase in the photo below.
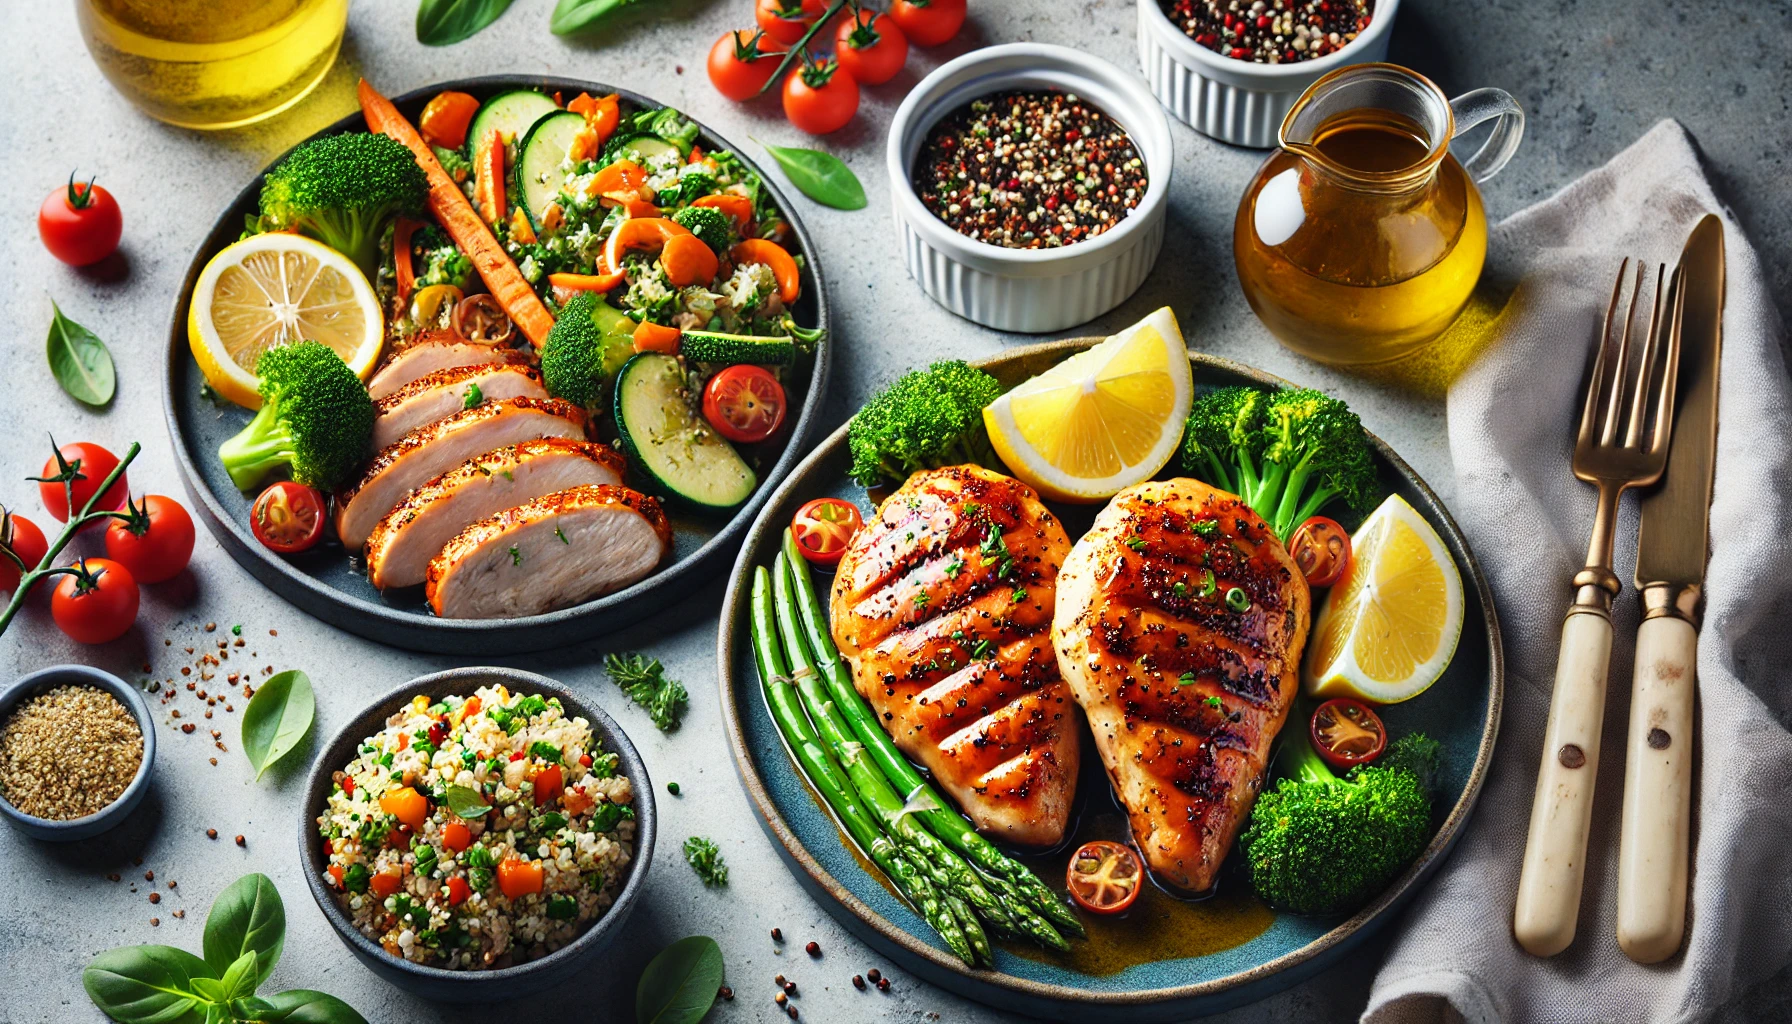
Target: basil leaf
(247, 917)
(147, 983)
(277, 718)
(572, 16)
(820, 176)
(445, 22)
(80, 360)
(680, 984)
(303, 1006)
(466, 802)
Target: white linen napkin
(1512, 417)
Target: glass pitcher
(1360, 239)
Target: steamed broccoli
(709, 224)
(589, 343)
(342, 189)
(926, 419)
(692, 184)
(1320, 844)
(315, 418)
(1287, 454)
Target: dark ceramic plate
(1157, 979)
(507, 983)
(323, 581)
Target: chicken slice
(439, 395)
(437, 350)
(558, 550)
(942, 605)
(1184, 693)
(401, 546)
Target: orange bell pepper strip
(640, 208)
(645, 234)
(602, 115)
(457, 217)
(519, 878)
(385, 883)
(445, 119)
(456, 836)
(407, 805)
(520, 228)
(404, 276)
(587, 282)
(652, 337)
(773, 255)
(688, 261)
(621, 176)
(489, 166)
(739, 209)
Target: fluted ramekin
(1030, 290)
(1239, 101)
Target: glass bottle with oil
(213, 63)
(1360, 240)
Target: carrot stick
(405, 276)
(458, 218)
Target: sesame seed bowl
(86, 826)
(1031, 290)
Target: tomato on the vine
(928, 22)
(823, 527)
(80, 224)
(154, 540)
(1104, 877)
(1321, 551)
(85, 466)
(787, 20)
(23, 538)
(1346, 733)
(740, 64)
(288, 517)
(744, 403)
(870, 48)
(96, 602)
(819, 99)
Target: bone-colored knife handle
(1555, 851)
(1653, 850)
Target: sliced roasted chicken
(401, 546)
(558, 550)
(429, 452)
(1180, 624)
(942, 604)
(437, 350)
(439, 395)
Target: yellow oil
(213, 63)
(1349, 271)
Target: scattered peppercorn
(155, 922)
(1271, 31)
(240, 841)
(875, 975)
(211, 833)
(672, 788)
(791, 1010)
(858, 982)
(210, 626)
(155, 897)
(780, 999)
(180, 913)
(790, 988)
(778, 981)
(777, 935)
(813, 948)
(883, 984)
(149, 876)
(726, 993)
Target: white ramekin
(1239, 101)
(1030, 290)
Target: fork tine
(1640, 394)
(1670, 378)
(1615, 395)
(1596, 383)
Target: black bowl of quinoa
(526, 974)
(76, 746)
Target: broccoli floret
(670, 125)
(1224, 438)
(692, 185)
(1320, 844)
(316, 419)
(342, 189)
(926, 419)
(454, 162)
(709, 224)
(589, 343)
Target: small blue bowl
(102, 820)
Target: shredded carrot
(759, 250)
(651, 337)
(404, 275)
(444, 121)
(688, 261)
(457, 216)
(520, 228)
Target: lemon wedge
(1389, 628)
(1103, 419)
(275, 289)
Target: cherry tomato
(95, 604)
(744, 403)
(288, 517)
(23, 537)
(1321, 551)
(479, 318)
(87, 465)
(872, 48)
(740, 63)
(1104, 877)
(458, 891)
(787, 20)
(80, 224)
(823, 527)
(155, 543)
(819, 99)
(928, 22)
(1346, 733)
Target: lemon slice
(1388, 629)
(275, 289)
(1103, 419)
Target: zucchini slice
(509, 113)
(682, 457)
(539, 156)
(715, 347)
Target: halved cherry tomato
(787, 20)
(97, 603)
(548, 784)
(1104, 877)
(479, 318)
(80, 223)
(819, 99)
(385, 883)
(519, 878)
(288, 517)
(744, 403)
(870, 48)
(646, 234)
(823, 527)
(407, 805)
(1346, 733)
(456, 836)
(458, 891)
(741, 62)
(445, 119)
(156, 542)
(773, 255)
(928, 22)
(688, 261)
(24, 539)
(738, 208)
(85, 467)
(1321, 550)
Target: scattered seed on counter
(187, 728)
(726, 993)
(1271, 31)
(180, 913)
(155, 922)
(790, 988)
(875, 975)
(883, 984)
(149, 876)
(778, 936)
(211, 626)
(155, 897)
(780, 999)
(113, 877)
(672, 788)
(273, 632)
(813, 948)
(172, 884)
(68, 752)
(211, 833)
(240, 841)
(791, 1010)
(214, 762)
(858, 982)
(778, 981)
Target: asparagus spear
(825, 774)
(1023, 889)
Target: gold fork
(1623, 443)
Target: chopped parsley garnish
(1186, 679)
(1136, 543)
(562, 536)
(1204, 527)
(994, 550)
(546, 751)
(1019, 595)
(562, 907)
(516, 557)
(474, 396)
(644, 681)
(1215, 702)
(1179, 588)
(705, 858)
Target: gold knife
(1670, 574)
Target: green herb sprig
(644, 681)
(705, 858)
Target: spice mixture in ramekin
(1271, 31)
(1029, 169)
(68, 752)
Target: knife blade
(1653, 846)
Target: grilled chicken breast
(401, 546)
(1183, 693)
(439, 395)
(558, 550)
(437, 350)
(942, 605)
(429, 452)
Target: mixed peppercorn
(1271, 31)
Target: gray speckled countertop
(1592, 75)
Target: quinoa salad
(478, 833)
